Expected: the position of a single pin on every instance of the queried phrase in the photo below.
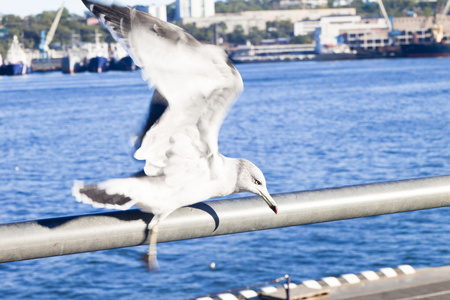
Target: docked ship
(17, 62)
(120, 60)
(74, 62)
(438, 47)
(98, 55)
(426, 50)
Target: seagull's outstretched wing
(198, 82)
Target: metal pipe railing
(76, 234)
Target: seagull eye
(256, 181)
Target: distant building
(158, 11)
(338, 23)
(328, 35)
(194, 9)
(249, 19)
(305, 27)
(412, 30)
(337, 3)
(315, 3)
(367, 33)
(92, 21)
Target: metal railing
(76, 234)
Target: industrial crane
(389, 22)
(46, 40)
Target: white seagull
(195, 85)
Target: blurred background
(343, 93)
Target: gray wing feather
(198, 82)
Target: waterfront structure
(337, 3)
(337, 23)
(327, 33)
(258, 19)
(286, 4)
(386, 283)
(272, 53)
(194, 9)
(159, 11)
(412, 30)
(369, 33)
(437, 47)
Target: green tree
(237, 36)
(397, 8)
(302, 39)
(201, 34)
(233, 6)
(279, 29)
(330, 3)
(366, 9)
(255, 36)
(28, 29)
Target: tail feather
(98, 197)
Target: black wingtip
(100, 196)
(86, 3)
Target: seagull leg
(152, 260)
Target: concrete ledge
(401, 283)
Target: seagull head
(251, 179)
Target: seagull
(194, 87)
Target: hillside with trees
(396, 8)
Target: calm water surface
(307, 125)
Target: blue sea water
(307, 125)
